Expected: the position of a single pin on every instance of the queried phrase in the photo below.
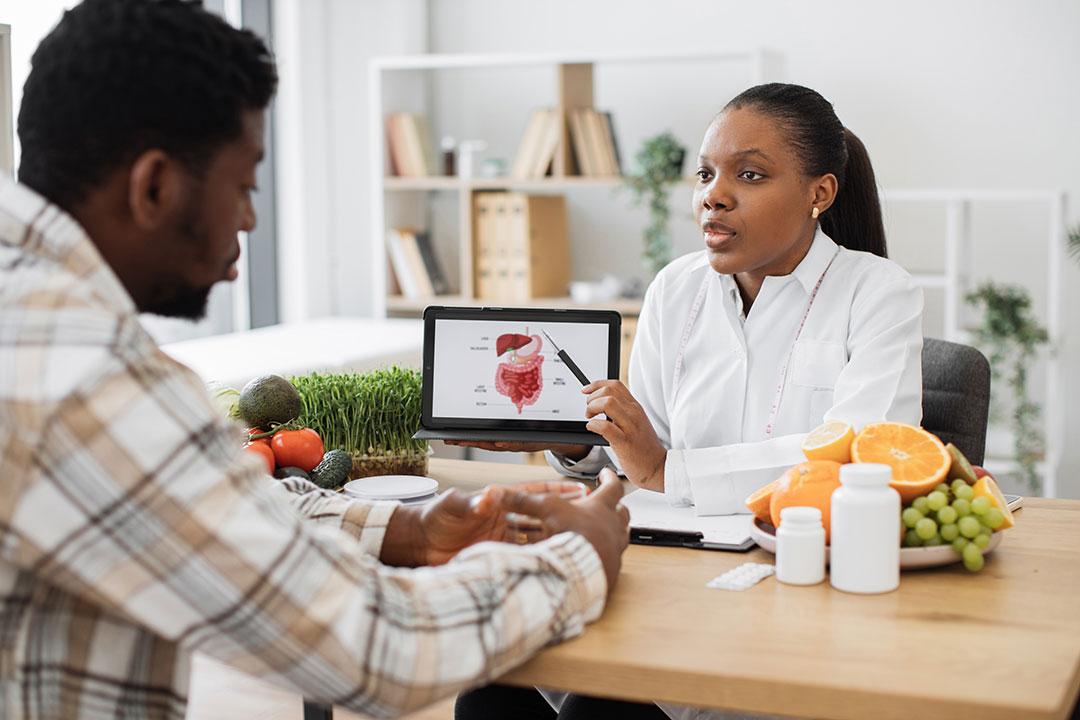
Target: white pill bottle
(800, 546)
(864, 551)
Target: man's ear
(155, 189)
(824, 191)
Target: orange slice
(919, 461)
(830, 441)
(758, 502)
(988, 488)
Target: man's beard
(183, 301)
(186, 303)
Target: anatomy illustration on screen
(519, 375)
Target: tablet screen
(486, 368)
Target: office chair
(956, 395)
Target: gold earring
(814, 214)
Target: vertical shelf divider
(575, 91)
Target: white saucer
(391, 487)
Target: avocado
(268, 400)
(333, 470)
(287, 472)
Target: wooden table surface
(1000, 643)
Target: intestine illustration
(519, 376)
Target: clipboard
(654, 521)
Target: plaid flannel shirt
(134, 533)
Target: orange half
(758, 502)
(918, 459)
(829, 441)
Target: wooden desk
(1000, 643)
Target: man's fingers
(610, 490)
(526, 503)
(486, 499)
(624, 513)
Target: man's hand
(629, 432)
(599, 518)
(437, 532)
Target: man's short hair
(116, 78)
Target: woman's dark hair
(116, 78)
(826, 146)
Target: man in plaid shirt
(133, 531)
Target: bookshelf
(408, 84)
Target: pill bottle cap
(865, 475)
(800, 515)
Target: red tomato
(297, 448)
(262, 450)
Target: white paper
(652, 510)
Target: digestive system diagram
(519, 375)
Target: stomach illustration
(519, 375)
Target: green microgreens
(374, 413)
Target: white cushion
(326, 345)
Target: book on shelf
(431, 263)
(592, 142)
(395, 251)
(522, 246)
(592, 139)
(411, 149)
(612, 141)
(579, 142)
(536, 151)
(415, 266)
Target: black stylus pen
(566, 359)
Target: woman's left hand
(628, 430)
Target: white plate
(910, 557)
(391, 487)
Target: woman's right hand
(573, 452)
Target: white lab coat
(857, 359)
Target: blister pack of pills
(742, 577)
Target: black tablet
(514, 374)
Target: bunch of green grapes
(952, 514)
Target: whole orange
(809, 484)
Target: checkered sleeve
(366, 521)
(138, 498)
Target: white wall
(968, 94)
(323, 48)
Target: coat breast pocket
(817, 364)
(815, 368)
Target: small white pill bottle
(864, 553)
(800, 546)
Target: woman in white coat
(791, 316)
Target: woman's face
(751, 200)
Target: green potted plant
(1011, 337)
(372, 416)
(657, 165)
